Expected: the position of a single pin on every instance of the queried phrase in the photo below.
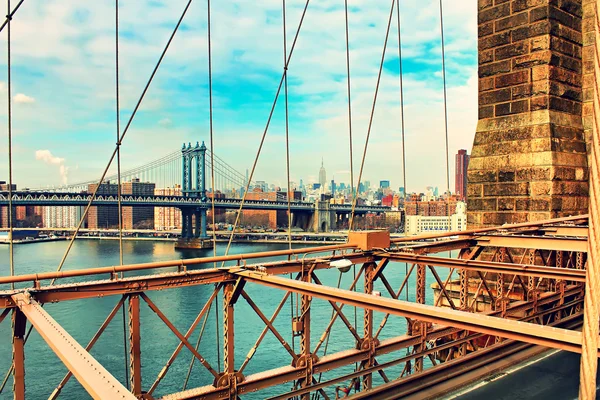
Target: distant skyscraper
(384, 184)
(333, 187)
(322, 176)
(460, 184)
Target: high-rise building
(4, 220)
(139, 217)
(167, 218)
(62, 216)
(333, 188)
(460, 183)
(134, 217)
(103, 217)
(322, 176)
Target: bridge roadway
(21, 198)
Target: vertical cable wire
(401, 78)
(212, 173)
(287, 130)
(445, 115)
(212, 144)
(349, 100)
(350, 141)
(364, 156)
(10, 174)
(266, 130)
(118, 133)
(118, 120)
(287, 152)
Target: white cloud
(23, 98)
(47, 157)
(165, 122)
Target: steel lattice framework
(518, 286)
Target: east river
(82, 318)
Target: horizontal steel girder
(579, 244)
(569, 274)
(526, 332)
(96, 380)
(174, 263)
(170, 280)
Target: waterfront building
(418, 224)
(167, 218)
(62, 216)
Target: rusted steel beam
(264, 379)
(325, 334)
(511, 227)
(306, 359)
(18, 353)
(439, 246)
(135, 353)
(567, 230)
(168, 264)
(91, 344)
(367, 342)
(338, 311)
(201, 314)
(489, 266)
(269, 325)
(531, 333)
(534, 242)
(134, 284)
(95, 379)
(503, 228)
(264, 332)
(175, 331)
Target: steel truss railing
(532, 296)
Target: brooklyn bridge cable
(10, 15)
(10, 169)
(114, 153)
(362, 164)
(237, 218)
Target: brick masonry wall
(529, 159)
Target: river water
(82, 318)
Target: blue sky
(64, 95)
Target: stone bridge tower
(529, 159)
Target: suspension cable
(212, 177)
(350, 141)
(133, 114)
(237, 218)
(362, 164)
(10, 172)
(287, 155)
(212, 145)
(118, 119)
(401, 77)
(445, 115)
(10, 15)
(354, 194)
(287, 130)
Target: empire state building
(322, 177)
